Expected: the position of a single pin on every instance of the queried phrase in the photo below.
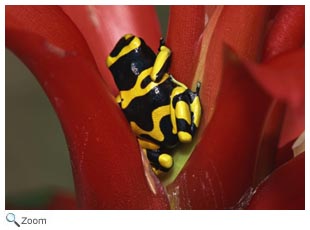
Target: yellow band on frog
(157, 116)
(145, 144)
(134, 44)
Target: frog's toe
(165, 160)
(159, 161)
(185, 137)
(156, 171)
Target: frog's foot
(185, 113)
(161, 162)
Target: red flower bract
(284, 189)
(243, 103)
(107, 174)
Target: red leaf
(242, 28)
(103, 26)
(48, 22)
(186, 24)
(221, 168)
(284, 154)
(284, 189)
(108, 174)
(284, 78)
(287, 32)
(230, 141)
(268, 143)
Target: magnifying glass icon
(10, 217)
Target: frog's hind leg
(186, 113)
(160, 161)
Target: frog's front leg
(162, 62)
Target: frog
(162, 112)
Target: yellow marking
(182, 111)
(178, 83)
(184, 137)
(173, 119)
(175, 91)
(160, 61)
(156, 132)
(118, 99)
(136, 90)
(196, 109)
(157, 172)
(127, 36)
(134, 44)
(145, 144)
(165, 160)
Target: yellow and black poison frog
(162, 112)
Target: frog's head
(128, 59)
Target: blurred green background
(36, 156)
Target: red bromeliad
(250, 61)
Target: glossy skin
(162, 112)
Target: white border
(165, 219)
(158, 219)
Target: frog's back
(149, 114)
